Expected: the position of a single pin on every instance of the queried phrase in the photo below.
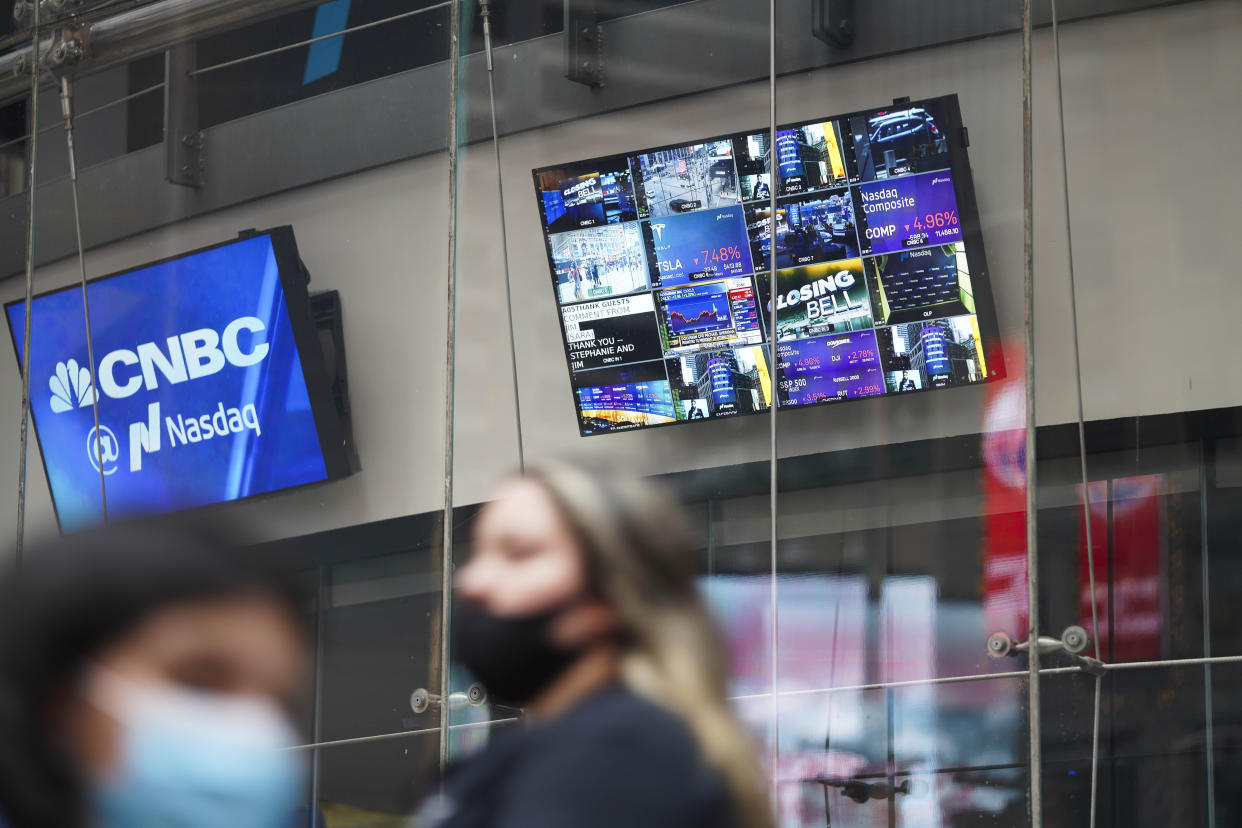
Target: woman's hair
(639, 558)
(72, 598)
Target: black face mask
(513, 656)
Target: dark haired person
(578, 604)
(145, 675)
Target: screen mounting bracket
(183, 140)
(832, 21)
(584, 43)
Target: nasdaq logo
(102, 449)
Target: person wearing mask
(145, 677)
(578, 604)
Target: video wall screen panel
(662, 260)
(209, 383)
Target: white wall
(1152, 120)
(1145, 94)
(1153, 114)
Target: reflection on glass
(375, 784)
(932, 756)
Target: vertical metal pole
(1032, 551)
(485, 11)
(33, 159)
(1095, 749)
(832, 669)
(1110, 545)
(66, 109)
(1208, 747)
(1082, 438)
(711, 549)
(450, 312)
(1073, 300)
(322, 599)
(774, 642)
(890, 759)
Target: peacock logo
(71, 387)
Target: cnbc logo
(180, 358)
(187, 356)
(71, 387)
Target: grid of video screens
(661, 266)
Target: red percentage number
(944, 218)
(723, 254)
(941, 219)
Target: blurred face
(525, 558)
(243, 648)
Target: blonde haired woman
(578, 603)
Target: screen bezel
(294, 280)
(946, 107)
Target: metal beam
(139, 32)
(668, 54)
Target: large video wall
(661, 263)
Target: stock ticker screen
(662, 263)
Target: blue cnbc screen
(201, 388)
